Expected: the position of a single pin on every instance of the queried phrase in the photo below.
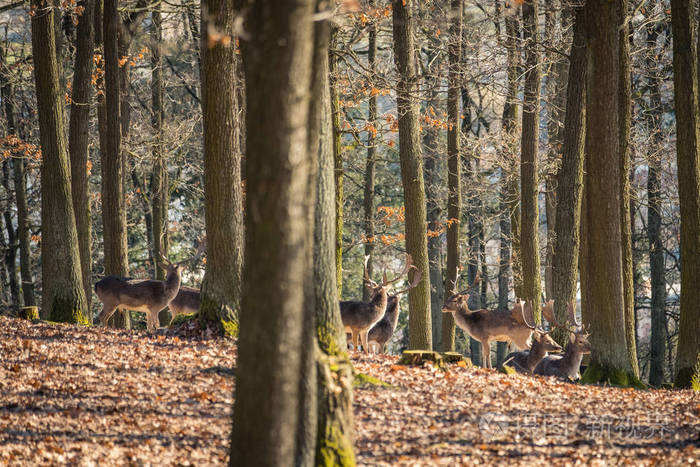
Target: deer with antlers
(487, 326)
(567, 365)
(147, 295)
(384, 329)
(359, 317)
(525, 361)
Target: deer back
(363, 315)
(139, 294)
(187, 300)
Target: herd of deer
(373, 323)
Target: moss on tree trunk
(597, 373)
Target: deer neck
(536, 354)
(572, 357)
(379, 300)
(463, 316)
(172, 283)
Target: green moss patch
(599, 374)
(183, 318)
(364, 380)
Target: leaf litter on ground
(99, 396)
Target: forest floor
(96, 396)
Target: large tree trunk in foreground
(603, 259)
(570, 181)
(113, 205)
(338, 165)
(222, 171)
(420, 334)
(625, 119)
(454, 171)
(685, 90)
(333, 438)
(78, 138)
(266, 408)
(63, 294)
(529, 215)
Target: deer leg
(363, 337)
(485, 354)
(355, 338)
(107, 312)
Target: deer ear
(572, 337)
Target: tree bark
(570, 181)
(454, 172)
(113, 208)
(334, 376)
(529, 214)
(11, 250)
(368, 200)
(266, 408)
(420, 334)
(610, 361)
(685, 90)
(78, 138)
(657, 267)
(625, 118)
(338, 161)
(222, 171)
(63, 294)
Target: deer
(486, 326)
(358, 317)
(187, 300)
(525, 361)
(384, 329)
(566, 366)
(147, 295)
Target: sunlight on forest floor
(96, 396)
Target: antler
(548, 312)
(367, 278)
(416, 280)
(476, 280)
(528, 307)
(407, 266)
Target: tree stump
(456, 357)
(29, 312)
(419, 357)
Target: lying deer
(486, 326)
(384, 329)
(186, 301)
(359, 317)
(566, 366)
(525, 361)
(147, 295)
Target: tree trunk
(625, 118)
(432, 182)
(113, 209)
(222, 172)
(420, 334)
(63, 294)
(368, 200)
(454, 178)
(338, 167)
(11, 251)
(78, 137)
(529, 215)
(570, 181)
(685, 87)
(610, 361)
(334, 374)
(656, 247)
(266, 408)
(7, 96)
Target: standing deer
(487, 326)
(147, 295)
(566, 366)
(525, 361)
(359, 317)
(384, 329)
